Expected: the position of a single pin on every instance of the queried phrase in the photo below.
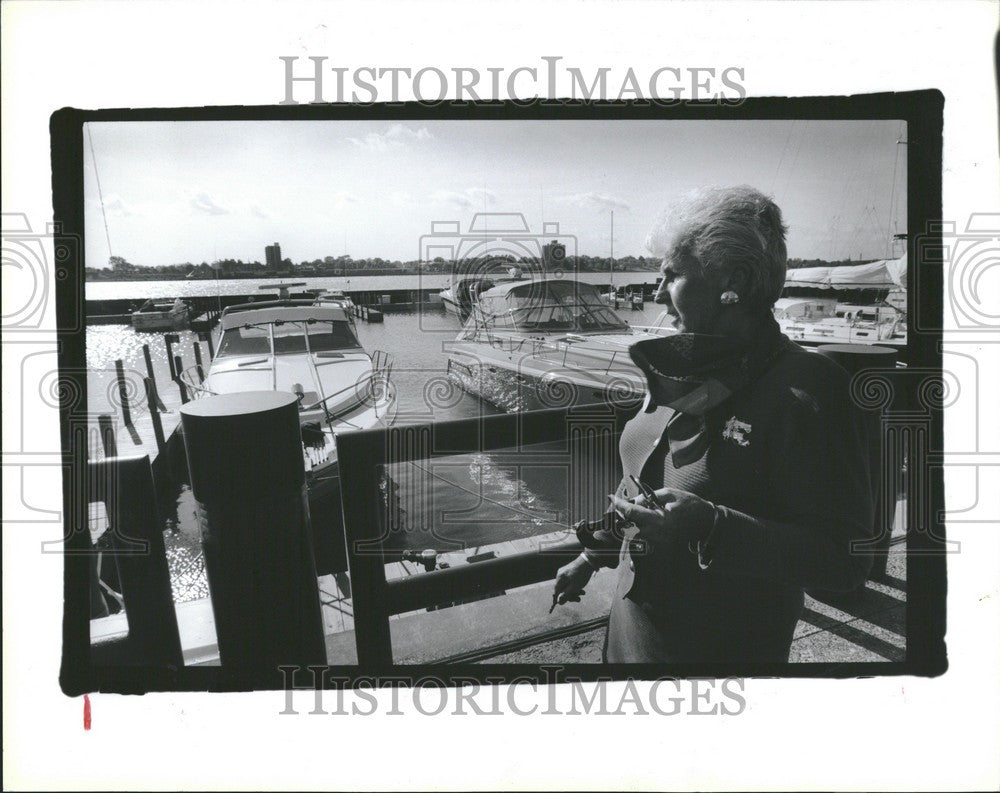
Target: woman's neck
(739, 323)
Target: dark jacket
(788, 466)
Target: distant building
(272, 256)
(553, 255)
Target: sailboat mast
(611, 285)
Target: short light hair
(721, 227)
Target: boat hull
(160, 320)
(532, 384)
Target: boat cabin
(544, 307)
(284, 329)
(798, 308)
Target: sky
(175, 192)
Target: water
(458, 501)
(115, 290)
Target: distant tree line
(121, 269)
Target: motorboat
(309, 348)
(546, 343)
(464, 292)
(828, 320)
(153, 316)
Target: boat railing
(192, 380)
(376, 382)
(563, 352)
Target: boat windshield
(289, 338)
(552, 307)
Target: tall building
(272, 255)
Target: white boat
(463, 293)
(162, 316)
(309, 348)
(635, 300)
(542, 344)
(822, 320)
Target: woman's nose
(662, 295)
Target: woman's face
(688, 295)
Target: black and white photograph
(518, 391)
(432, 395)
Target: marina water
(448, 503)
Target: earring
(728, 298)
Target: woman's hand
(571, 580)
(676, 514)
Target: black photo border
(926, 561)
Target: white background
(897, 733)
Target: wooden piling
(207, 336)
(123, 392)
(256, 529)
(149, 363)
(197, 361)
(153, 402)
(107, 431)
(169, 339)
(179, 367)
(157, 403)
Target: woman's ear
(738, 280)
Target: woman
(755, 452)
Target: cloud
(343, 198)
(594, 200)
(470, 198)
(396, 137)
(115, 205)
(451, 198)
(479, 194)
(204, 204)
(400, 198)
(257, 212)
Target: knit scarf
(696, 373)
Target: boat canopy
(883, 274)
(279, 314)
(548, 306)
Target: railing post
(123, 393)
(244, 455)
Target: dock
(207, 308)
(871, 628)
